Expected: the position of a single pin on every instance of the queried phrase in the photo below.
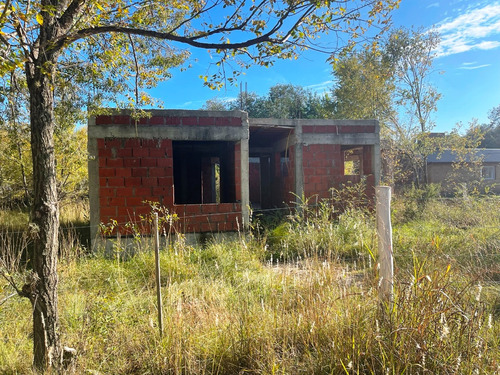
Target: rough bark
(42, 287)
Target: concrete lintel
(272, 123)
(361, 139)
(178, 133)
(261, 150)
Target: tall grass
(322, 231)
(461, 232)
(230, 310)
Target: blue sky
(468, 57)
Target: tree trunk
(45, 217)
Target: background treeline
(388, 80)
(16, 166)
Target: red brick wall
(338, 129)
(133, 170)
(169, 120)
(324, 169)
(254, 181)
(208, 217)
(323, 164)
(367, 160)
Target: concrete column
(244, 170)
(376, 163)
(299, 167)
(93, 170)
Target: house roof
(488, 155)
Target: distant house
(478, 168)
(210, 167)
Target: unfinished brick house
(209, 167)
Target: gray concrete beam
(261, 150)
(271, 122)
(176, 133)
(361, 139)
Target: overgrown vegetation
(304, 301)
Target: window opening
(353, 162)
(216, 169)
(204, 172)
(488, 172)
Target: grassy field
(300, 297)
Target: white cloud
(472, 67)
(488, 44)
(475, 29)
(320, 86)
(433, 5)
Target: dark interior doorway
(204, 172)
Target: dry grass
(229, 309)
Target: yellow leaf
(99, 7)
(39, 19)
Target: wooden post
(118, 246)
(384, 230)
(158, 284)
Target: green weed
(228, 309)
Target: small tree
(412, 54)
(364, 85)
(70, 150)
(491, 130)
(390, 82)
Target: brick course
(134, 170)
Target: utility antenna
(246, 95)
(243, 96)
